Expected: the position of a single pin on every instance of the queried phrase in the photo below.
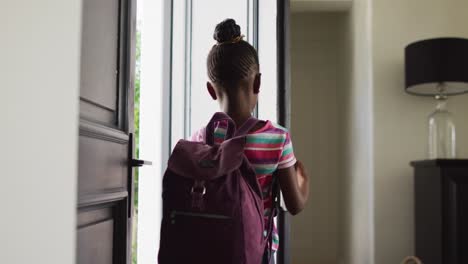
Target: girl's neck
(238, 117)
(237, 105)
(238, 110)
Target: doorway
(173, 103)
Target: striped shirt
(268, 149)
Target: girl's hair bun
(226, 31)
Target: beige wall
(381, 130)
(357, 219)
(400, 128)
(39, 69)
(320, 5)
(317, 79)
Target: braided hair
(232, 59)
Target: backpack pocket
(179, 214)
(200, 237)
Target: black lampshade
(434, 61)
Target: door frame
(155, 120)
(283, 89)
(284, 111)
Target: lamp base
(442, 135)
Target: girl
(234, 81)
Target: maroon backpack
(212, 202)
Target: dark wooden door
(105, 133)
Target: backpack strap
(274, 212)
(232, 131)
(217, 117)
(275, 192)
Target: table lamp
(438, 68)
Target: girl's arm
(294, 184)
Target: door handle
(139, 163)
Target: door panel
(88, 217)
(100, 227)
(102, 165)
(94, 111)
(94, 251)
(99, 53)
(106, 124)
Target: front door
(105, 137)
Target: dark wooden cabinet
(441, 211)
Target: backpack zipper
(202, 215)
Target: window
(193, 26)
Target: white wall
(400, 120)
(39, 69)
(317, 80)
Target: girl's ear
(257, 83)
(211, 90)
